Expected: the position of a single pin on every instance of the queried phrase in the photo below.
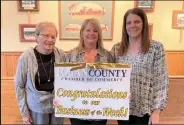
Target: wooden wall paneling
(180, 63)
(10, 61)
(3, 65)
(175, 62)
(15, 62)
(9, 64)
(171, 58)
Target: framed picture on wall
(178, 19)
(73, 13)
(27, 32)
(150, 30)
(146, 5)
(28, 5)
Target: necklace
(48, 76)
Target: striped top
(149, 78)
(76, 55)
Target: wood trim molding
(7, 78)
(178, 51)
(176, 77)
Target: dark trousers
(87, 122)
(135, 120)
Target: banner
(92, 91)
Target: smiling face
(90, 35)
(46, 38)
(134, 26)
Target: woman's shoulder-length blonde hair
(97, 26)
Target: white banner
(92, 93)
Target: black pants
(87, 122)
(135, 120)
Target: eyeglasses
(46, 36)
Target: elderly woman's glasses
(46, 36)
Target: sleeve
(113, 54)
(63, 56)
(68, 56)
(19, 85)
(110, 58)
(161, 80)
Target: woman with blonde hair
(89, 50)
(34, 78)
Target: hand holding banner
(92, 93)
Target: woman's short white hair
(40, 26)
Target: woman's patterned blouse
(149, 78)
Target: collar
(99, 52)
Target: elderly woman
(149, 77)
(34, 79)
(90, 49)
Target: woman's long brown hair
(145, 31)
